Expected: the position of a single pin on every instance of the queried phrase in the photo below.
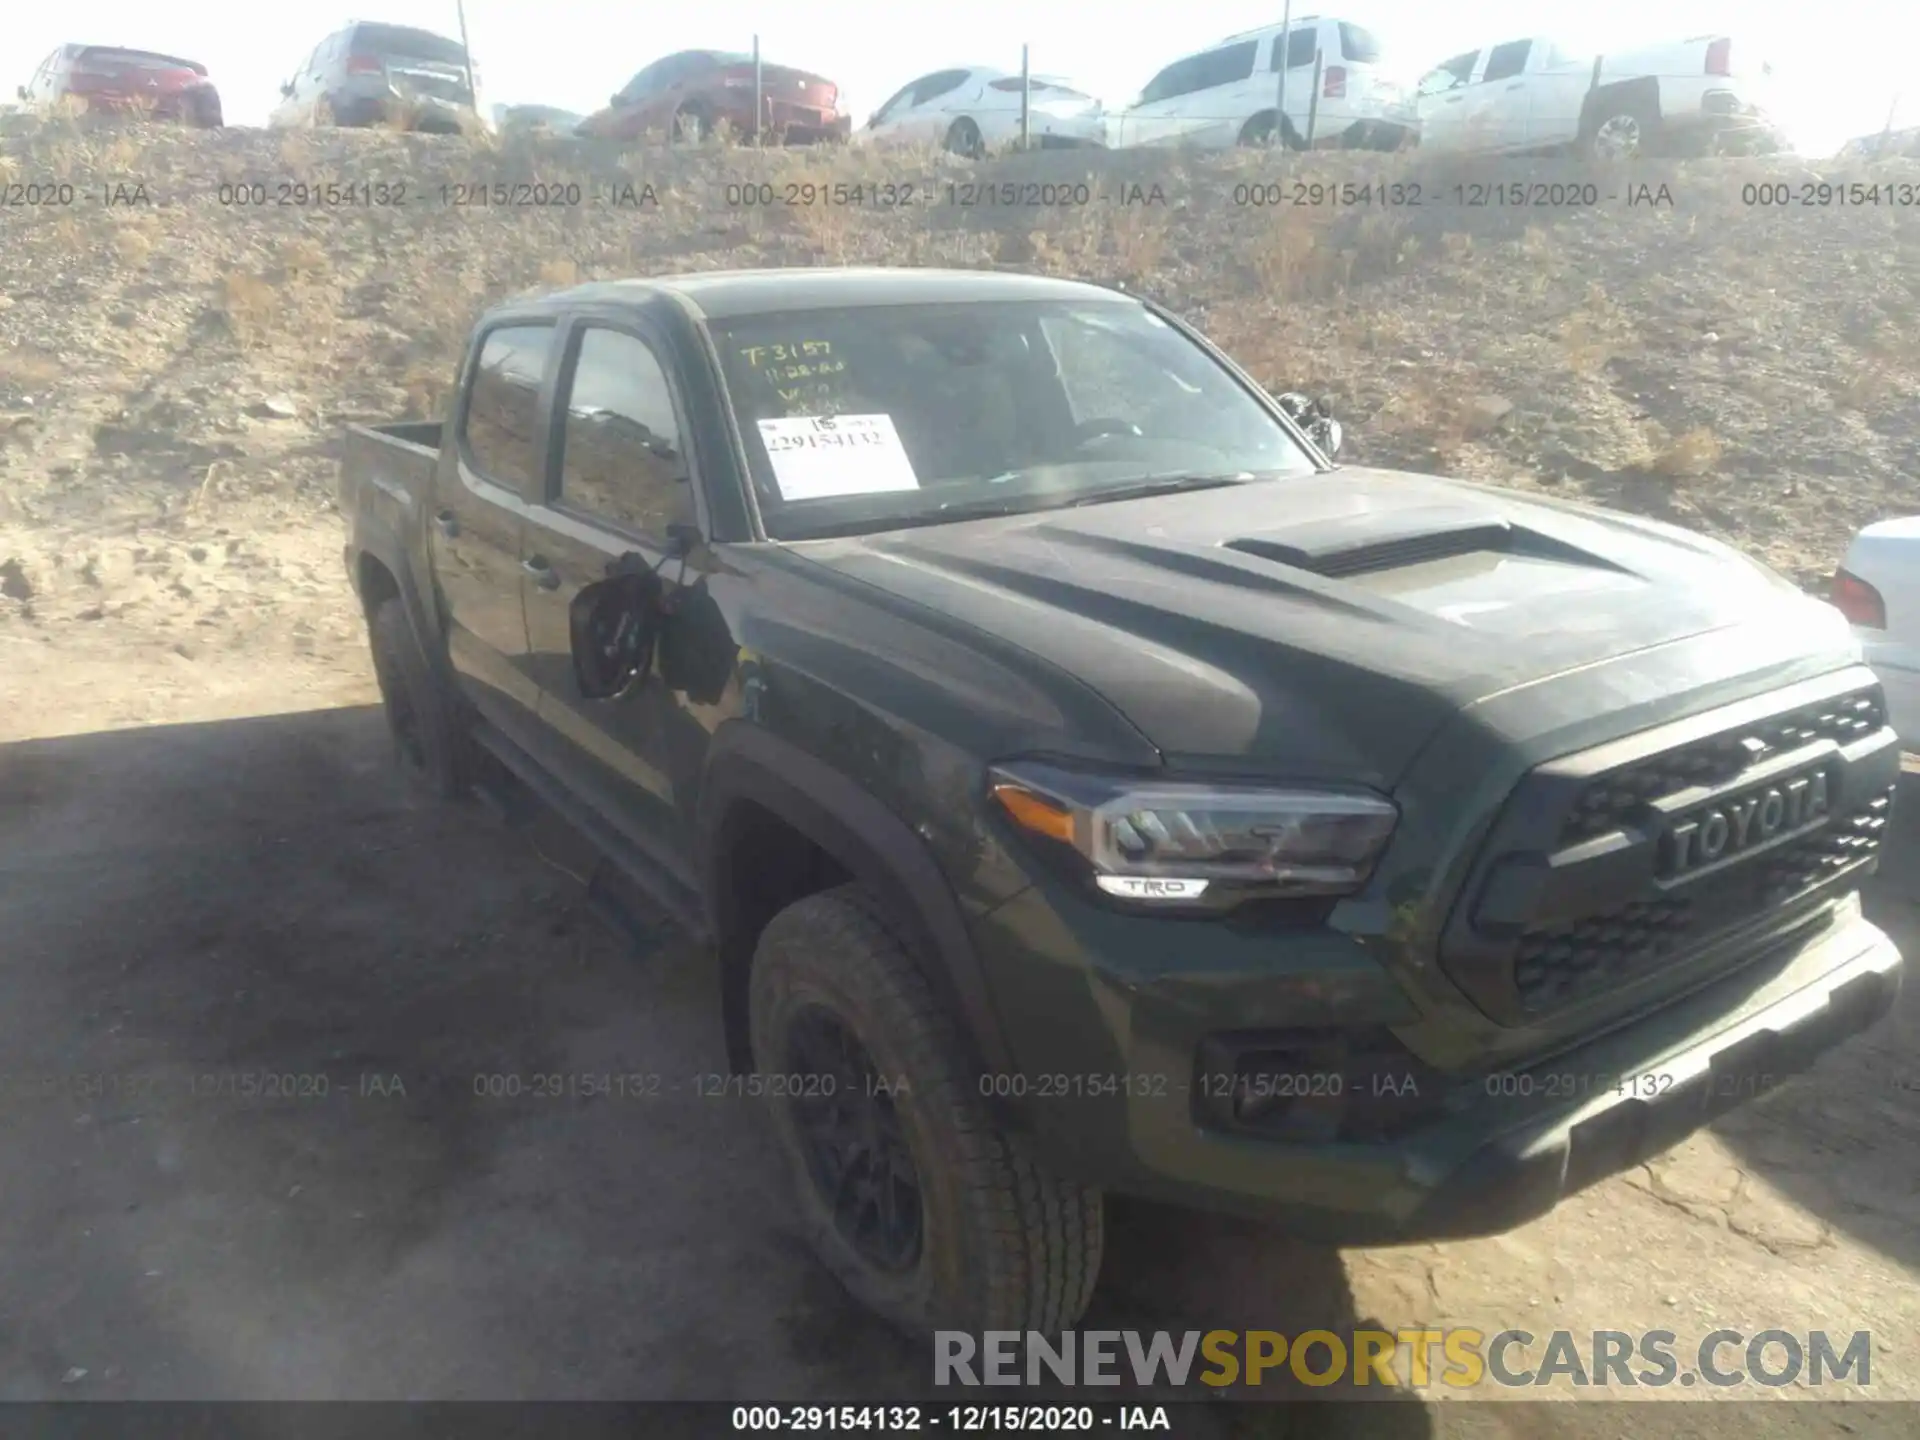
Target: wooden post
(466, 59)
(759, 92)
(1313, 100)
(1026, 101)
(1284, 42)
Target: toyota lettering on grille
(1746, 823)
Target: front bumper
(358, 108)
(1730, 124)
(1108, 1050)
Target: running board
(681, 905)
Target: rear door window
(1299, 49)
(938, 84)
(1176, 80)
(138, 60)
(1359, 46)
(405, 43)
(499, 429)
(1508, 60)
(1227, 65)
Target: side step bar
(681, 905)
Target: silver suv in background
(1229, 94)
(371, 74)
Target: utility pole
(1886, 131)
(466, 58)
(1026, 102)
(1283, 44)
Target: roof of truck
(728, 294)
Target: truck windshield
(875, 417)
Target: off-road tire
(430, 744)
(1004, 1244)
(964, 139)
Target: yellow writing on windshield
(805, 374)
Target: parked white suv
(1228, 94)
(1534, 95)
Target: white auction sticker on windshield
(816, 457)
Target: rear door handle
(447, 523)
(544, 575)
(1516, 85)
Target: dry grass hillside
(175, 364)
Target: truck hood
(1331, 622)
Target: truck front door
(624, 478)
(486, 471)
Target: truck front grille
(1592, 877)
(1614, 799)
(1564, 964)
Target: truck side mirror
(614, 624)
(286, 88)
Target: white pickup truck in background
(1698, 96)
(1877, 587)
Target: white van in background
(1228, 94)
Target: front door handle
(544, 575)
(1516, 85)
(447, 523)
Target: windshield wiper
(1163, 485)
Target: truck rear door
(1559, 80)
(625, 474)
(1503, 98)
(488, 468)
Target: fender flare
(1640, 92)
(374, 539)
(868, 840)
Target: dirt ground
(207, 872)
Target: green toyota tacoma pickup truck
(1084, 785)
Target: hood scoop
(1370, 542)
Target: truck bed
(386, 473)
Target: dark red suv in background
(130, 82)
(686, 96)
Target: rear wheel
(907, 1190)
(433, 750)
(1620, 130)
(964, 139)
(1268, 129)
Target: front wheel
(907, 1190)
(964, 139)
(1268, 129)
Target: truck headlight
(1199, 844)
